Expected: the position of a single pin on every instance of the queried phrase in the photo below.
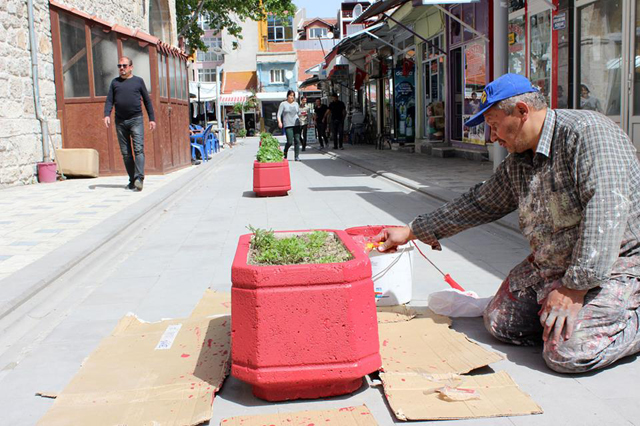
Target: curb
(23, 284)
(440, 194)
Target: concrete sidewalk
(160, 264)
(440, 178)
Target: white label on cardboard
(169, 335)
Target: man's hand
(107, 121)
(393, 237)
(280, 124)
(152, 125)
(559, 312)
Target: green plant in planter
(307, 247)
(242, 133)
(269, 151)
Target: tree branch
(194, 17)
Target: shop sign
(405, 103)
(560, 21)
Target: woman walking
(289, 121)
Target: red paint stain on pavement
(190, 396)
(385, 343)
(209, 342)
(185, 355)
(404, 380)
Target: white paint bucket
(392, 275)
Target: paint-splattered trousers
(607, 327)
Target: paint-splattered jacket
(578, 198)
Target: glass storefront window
(433, 75)
(474, 81)
(456, 28)
(515, 5)
(636, 84)
(540, 69)
(469, 18)
(517, 60)
(172, 77)
(105, 59)
(185, 81)
(600, 56)
(140, 57)
(75, 69)
(162, 74)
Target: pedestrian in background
(305, 112)
(336, 116)
(289, 121)
(125, 93)
(321, 126)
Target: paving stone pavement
(160, 266)
(37, 219)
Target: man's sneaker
(138, 184)
(130, 186)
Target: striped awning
(232, 99)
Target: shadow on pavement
(106, 186)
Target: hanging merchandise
(407, 67)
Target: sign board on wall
(560, 21)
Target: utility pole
(500, 58)
(222, 135)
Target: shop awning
(335, 57)
(207, 91)
(232, 99)
(378, 8)
(310, 82)
(271, 96)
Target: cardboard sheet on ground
(212, 303)
(164, 373)
(348, 416)
(414, 396)
(426, 344)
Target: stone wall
(20, 132)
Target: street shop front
(86, 50)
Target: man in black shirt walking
(125, 93)
(321, 127)
(337, 113)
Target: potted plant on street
(270, 169)
(303, 314)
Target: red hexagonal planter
(303, 331)
(271, 179)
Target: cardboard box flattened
(414, 396)
(348, 416)
(426, 344)
(165, 372)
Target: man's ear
(523, 110)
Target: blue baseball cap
(499, 89)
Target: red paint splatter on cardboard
(185, 355)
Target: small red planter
(271, 179)
(303, 331)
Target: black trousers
(337, 130)
(321, 132)
(303, 136)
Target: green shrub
(269, 151)
(242, 133)
(307, 247)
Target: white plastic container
(392, 275)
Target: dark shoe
(304, 149)
(335, 147)
(130, 186)
(342, 147)
(298, 159)
(138, 184)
